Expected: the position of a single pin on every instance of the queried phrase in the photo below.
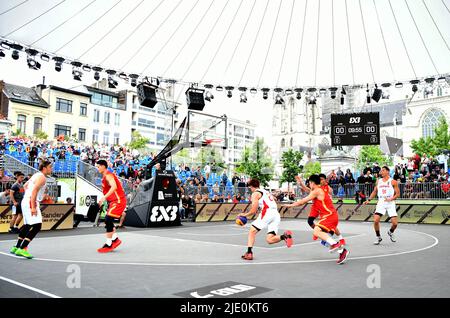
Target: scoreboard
(355, 129)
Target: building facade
(241, 134)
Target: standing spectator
(410, 166)
(441, 161)
(224, 179)
(339, 172)
(349, 183)
(376, 168)
(3, 177)
(235, 179)
(207, 170)
(16, 195)
(367, 168)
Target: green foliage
(437, 144)
(41, 135)
(209, 155)
(138, 141)
(291, 165)
(256, 162)
(372, 154)
(312, 167)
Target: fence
(408, 191)
(52, 188)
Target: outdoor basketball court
(195, 259)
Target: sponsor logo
(355, 120)
(88, 200)
(161, 213)
(160, 195)
(223, 290)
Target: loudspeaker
(195, 99)
(147, 95)
(376, 94)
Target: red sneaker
(116, 243)
(343, 257)
(342, 242)
(334, 247)
(289, 241)
(247, 256)
(105, 249)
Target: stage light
(243, 96)
(253, 91)
(2, 54)
(399, 85)
(45, 57)
(367, 95)
(265, 93)
(333, 92)
(77, 74)
(97, 71)
(208, 94)
(195, 99)
(86, 68)
(123, 76)
(429, 80)
(219, 88)
(414, 87)
(134, 78)
(112, 83)
(299, 92)
(278, 99)
(33, 64)
(289, 91)
(229, 89)
(322, 92)
(16, 48)
(58, 63)
(441, 79)
(377, 93)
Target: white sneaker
(392, 236)
(378, 241)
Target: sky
(276, 43)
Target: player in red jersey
(114, 194)
(323, 207)
(313, 214)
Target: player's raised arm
(373, 194)
(312, 195)
(255, 204)
(301, 184)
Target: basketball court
(194, 259)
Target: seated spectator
(3, 177)
(68, 200)
(4, 196)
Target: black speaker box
(195, 99)
(147, 95)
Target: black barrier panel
(355, 129)
(238, 209)
(416, 213)
(438, 215)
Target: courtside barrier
(408, 213)
(54, 217)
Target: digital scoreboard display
(355, 129)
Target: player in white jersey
(34, 193)
(269, 217)
(387, 191)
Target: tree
(138, 141)
(210, 155)
(437, 144)
(372, 154)
(291, 165)
(256, 162)
(41, 135)
(312, 167)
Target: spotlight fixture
(123, 76)
(5, 45)
(58, 63)
(367, 95)
(386, 85)
(97, 71)
(399, 85)
(243, 96)
(322, 92)
(333, 91)
(87, 68)
(229, 89)
(112, 83)
(45, 57)
(16, 48)
(265, 92)
(208, 94)
(377, 93)
(414, 85)
(33, 64)
(429, 80)
(299, 92)
(134, 78)
(312, 95)
(219, 88)
(343, 92)
(2, 54)
(254, 90)
(76, 70)
(278, 99)
(441, 79)
(289, 91)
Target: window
(292, 142)
(106, 100)
(116, 139)
(283, 143)
(106, 118)
(430, 121)
(37, 125)
(96, 116)
(63, 105)
(117, 119)
(106, 137)
(83, 109)
(82, 134)
(146, 123)
(439, 91)
(95, 135)
(22, 123)
(62, 130)
(160, 139)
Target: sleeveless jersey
(385, 189)
(30, 186)
(116, 196)
(266, 202)
(323, 207)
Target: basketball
(241, 220)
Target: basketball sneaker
(378, 241)
(289, 241)
(13, 250)
(343, 257)
(23, 253)
(105, 249)
(335, 247)
(392, 236)
(116, 243)
(342, 242)
(247, 256)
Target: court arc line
(436, 242)
(28, 287)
